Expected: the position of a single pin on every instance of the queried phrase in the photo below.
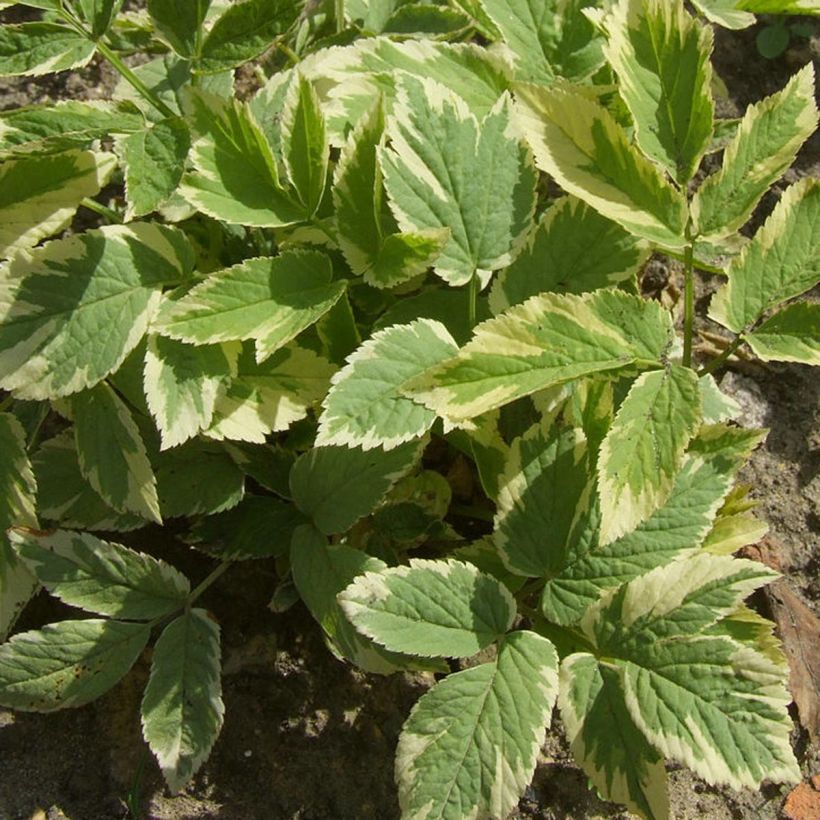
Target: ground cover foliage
(419, 237)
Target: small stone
(248, 753)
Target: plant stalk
(688, 299)
(719, 360)
(103, 210)
(339, 14)
(206, 582)
(472, 299)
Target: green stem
(719, 360)
(134, 80)
(208, 580)
(103, 210)
(472, 511)
(688, 299)
(472, 299)
(339, 14)
(6, 403)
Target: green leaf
(67, 663)
(680, 526)
(244, 31)
(267, 465)
(269, 397)
(717, 406)
(182, 708)
(181, 384)
(779, 6)
(365, 406)
(46, 129)
(305, 146)
(725, 13)
(235, 178)
(423, 19)
(112, 455)
(42, 48)
(366, 230)
(544, 489)
(258, 527)
(18, 490)
(336, 486)
(179, 23)
(792, 335)
(470, 745)
(770, 134)
(548, 38)
(604, 740)
(270, 300)
(661, 56)
(72, 310)
(446, 169)
(100, 576)
(573, 249)
(64, 495)
(40, 195)
(198, 477)
(320, 573)
(644, 447)
(687, 692)
(99, 13)
(782, 261)
(154, 159)
(581, 145)
(402, 608)
(548, 340)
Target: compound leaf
(178, 23)
(661, 57)
(445, 169)
(336, 486)
(548, 340)
(182, 708)
(112, 454)
(770, 134)
(782, 261)
(42, 48)
(470, 745)
(67, 663)
(41, 194)
(792, 335)
(365, 406)
(100, 576)
(573, 249)
(579, 143)
(644, 447)
(72, 310)
(269, 299)
(430, 608)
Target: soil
(309, 738)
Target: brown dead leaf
(803, 803)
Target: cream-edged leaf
(269, 299)
(181, 382)
(235, 176)
(781, 261)
(430, 608)
(470, 745)
(336, 486)
(791, 335)
(661, 56)
(604, 740)
(580, 144)
(548, 340)
(182, 707)
(42, 48)
(446, 169)
(573, 249)
(770, 134)
(112, 454)
(67, 663)
(644, 447)
(100, 576)
(365, 406)
(263, 398)
(725, 13)
(41, 194)
(72, 310)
